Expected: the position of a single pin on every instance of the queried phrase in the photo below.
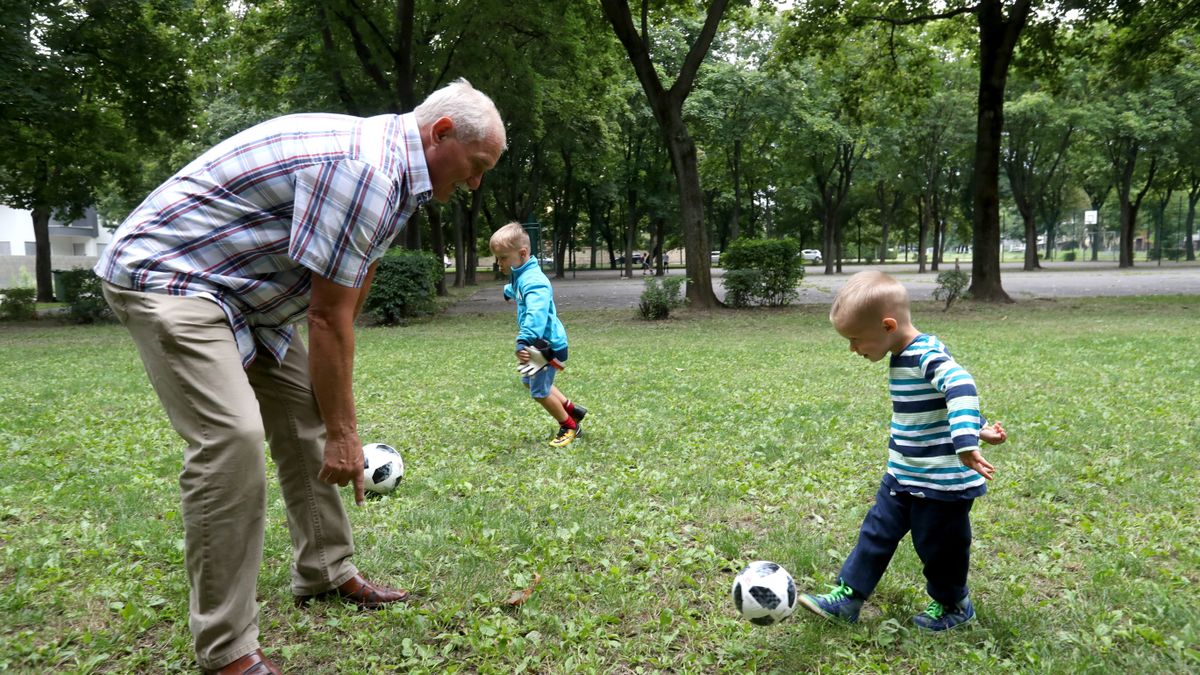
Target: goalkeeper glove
(540, 356)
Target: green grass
(712, 441)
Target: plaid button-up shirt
(248, 222)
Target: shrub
(72, 281)
(951, 286)
(762, 272)
(1167, 253)
(81, 292)
(742, 287)
(405, 286)
(18, 304)
(660, 297)
(1068, 256)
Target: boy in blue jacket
(541, 338)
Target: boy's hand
(974, 460)
(993, 434)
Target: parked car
(714, 257)
(810, 255)
(637, 259)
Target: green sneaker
(838, 604)
(937, 618)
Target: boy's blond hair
(509, 238)
(869, 295)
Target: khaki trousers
(225, 414)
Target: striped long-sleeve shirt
(935, 416)
(248, 222)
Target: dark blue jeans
(941, 533)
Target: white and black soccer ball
(383, 468)
(764, 593)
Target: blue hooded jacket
(536, 316)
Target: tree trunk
(1096, 198)
(1130, 206)
(667, 105)
(660, 235)
(460, 254)
(437, 240)
(691, 201)
(936, 219)
(1031, 248)
(997, 40)
(839, 241)
(41, 239)
(887, 213)
(1128, 222)
(471, 237)
(1193, 197)
(922, 229)
(829, 239)
(735, 175)
(631, 220)
(1161, 217)
(412, 232)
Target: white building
(74, 244)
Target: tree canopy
(870, 130)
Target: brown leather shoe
(358, 591)
(254, 663)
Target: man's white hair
(474, 114)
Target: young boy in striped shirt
(935, 469)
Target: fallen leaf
(518, 598)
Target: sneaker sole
(816, 609)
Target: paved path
(604, 289)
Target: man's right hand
(344, 464)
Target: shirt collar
(417, 171)
(529, 264)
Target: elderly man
(282, 222)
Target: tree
(999, 32)
(1133, 127)
(1187, 93)
(1035, 148)
(87, 86)
(667, 105)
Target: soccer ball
(383, 468)
(764, 593)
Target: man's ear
(890, 324)
(442, 128)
